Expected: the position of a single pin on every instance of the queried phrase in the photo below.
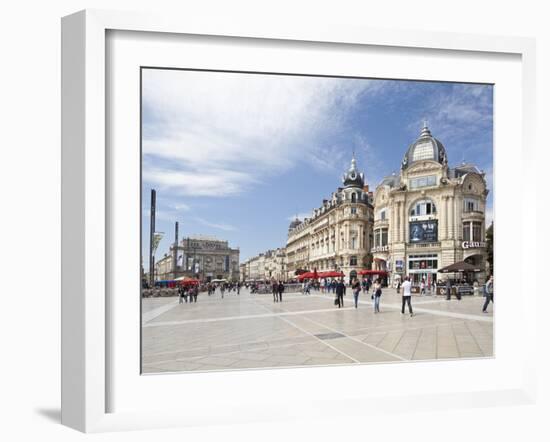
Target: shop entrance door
(428, 277)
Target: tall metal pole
(175, 263)
(189, 252)
(151, 238)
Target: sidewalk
(251, 331)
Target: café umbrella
(460, 267)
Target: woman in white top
(406, 298)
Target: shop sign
(398, 265)
(379, 249)
(473, 244)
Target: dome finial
(353, 166)
(425, 131)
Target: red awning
(189, 281)
(307, 275)
(330, 274)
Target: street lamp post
(151, 238)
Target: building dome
(353, 178)
(295, 223)
(426, 147)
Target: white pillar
(446, 217)
(404, 217)
(453, 217)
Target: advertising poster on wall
(423, 231)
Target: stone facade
(338, 235)
(265, 266)
(430, 215)
(200, 257)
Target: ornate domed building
(426, 147)
(430, 215)
(338, 235)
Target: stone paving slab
(251, 331)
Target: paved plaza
(251, 331)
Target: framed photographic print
(249, 213)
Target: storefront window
(424, 207)
(425, 181)
(466, 231)
(476, 231)
(471, 205)
(380, 237)
(471, 231)
(384, 237)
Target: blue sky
(237, 156)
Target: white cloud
(216, 133)
(181, 206)
(459, 115)
(219, 226)
(210, 182)
(166, 210)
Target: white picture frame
(86, 314)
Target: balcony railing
(470, 212)
(424, 245)
(381, 222)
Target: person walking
(275, 290)
(184, 291)
(406, 298)
(448, 289)
(340, 289)
(422, 287)
(356, 287)
(376, 293)
(398, 290)
(488, 293)
(280, 290)
(195, 293)
(180, 295)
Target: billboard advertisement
(423, 231)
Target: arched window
(423, 208)
(354, 197)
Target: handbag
(336, 301)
